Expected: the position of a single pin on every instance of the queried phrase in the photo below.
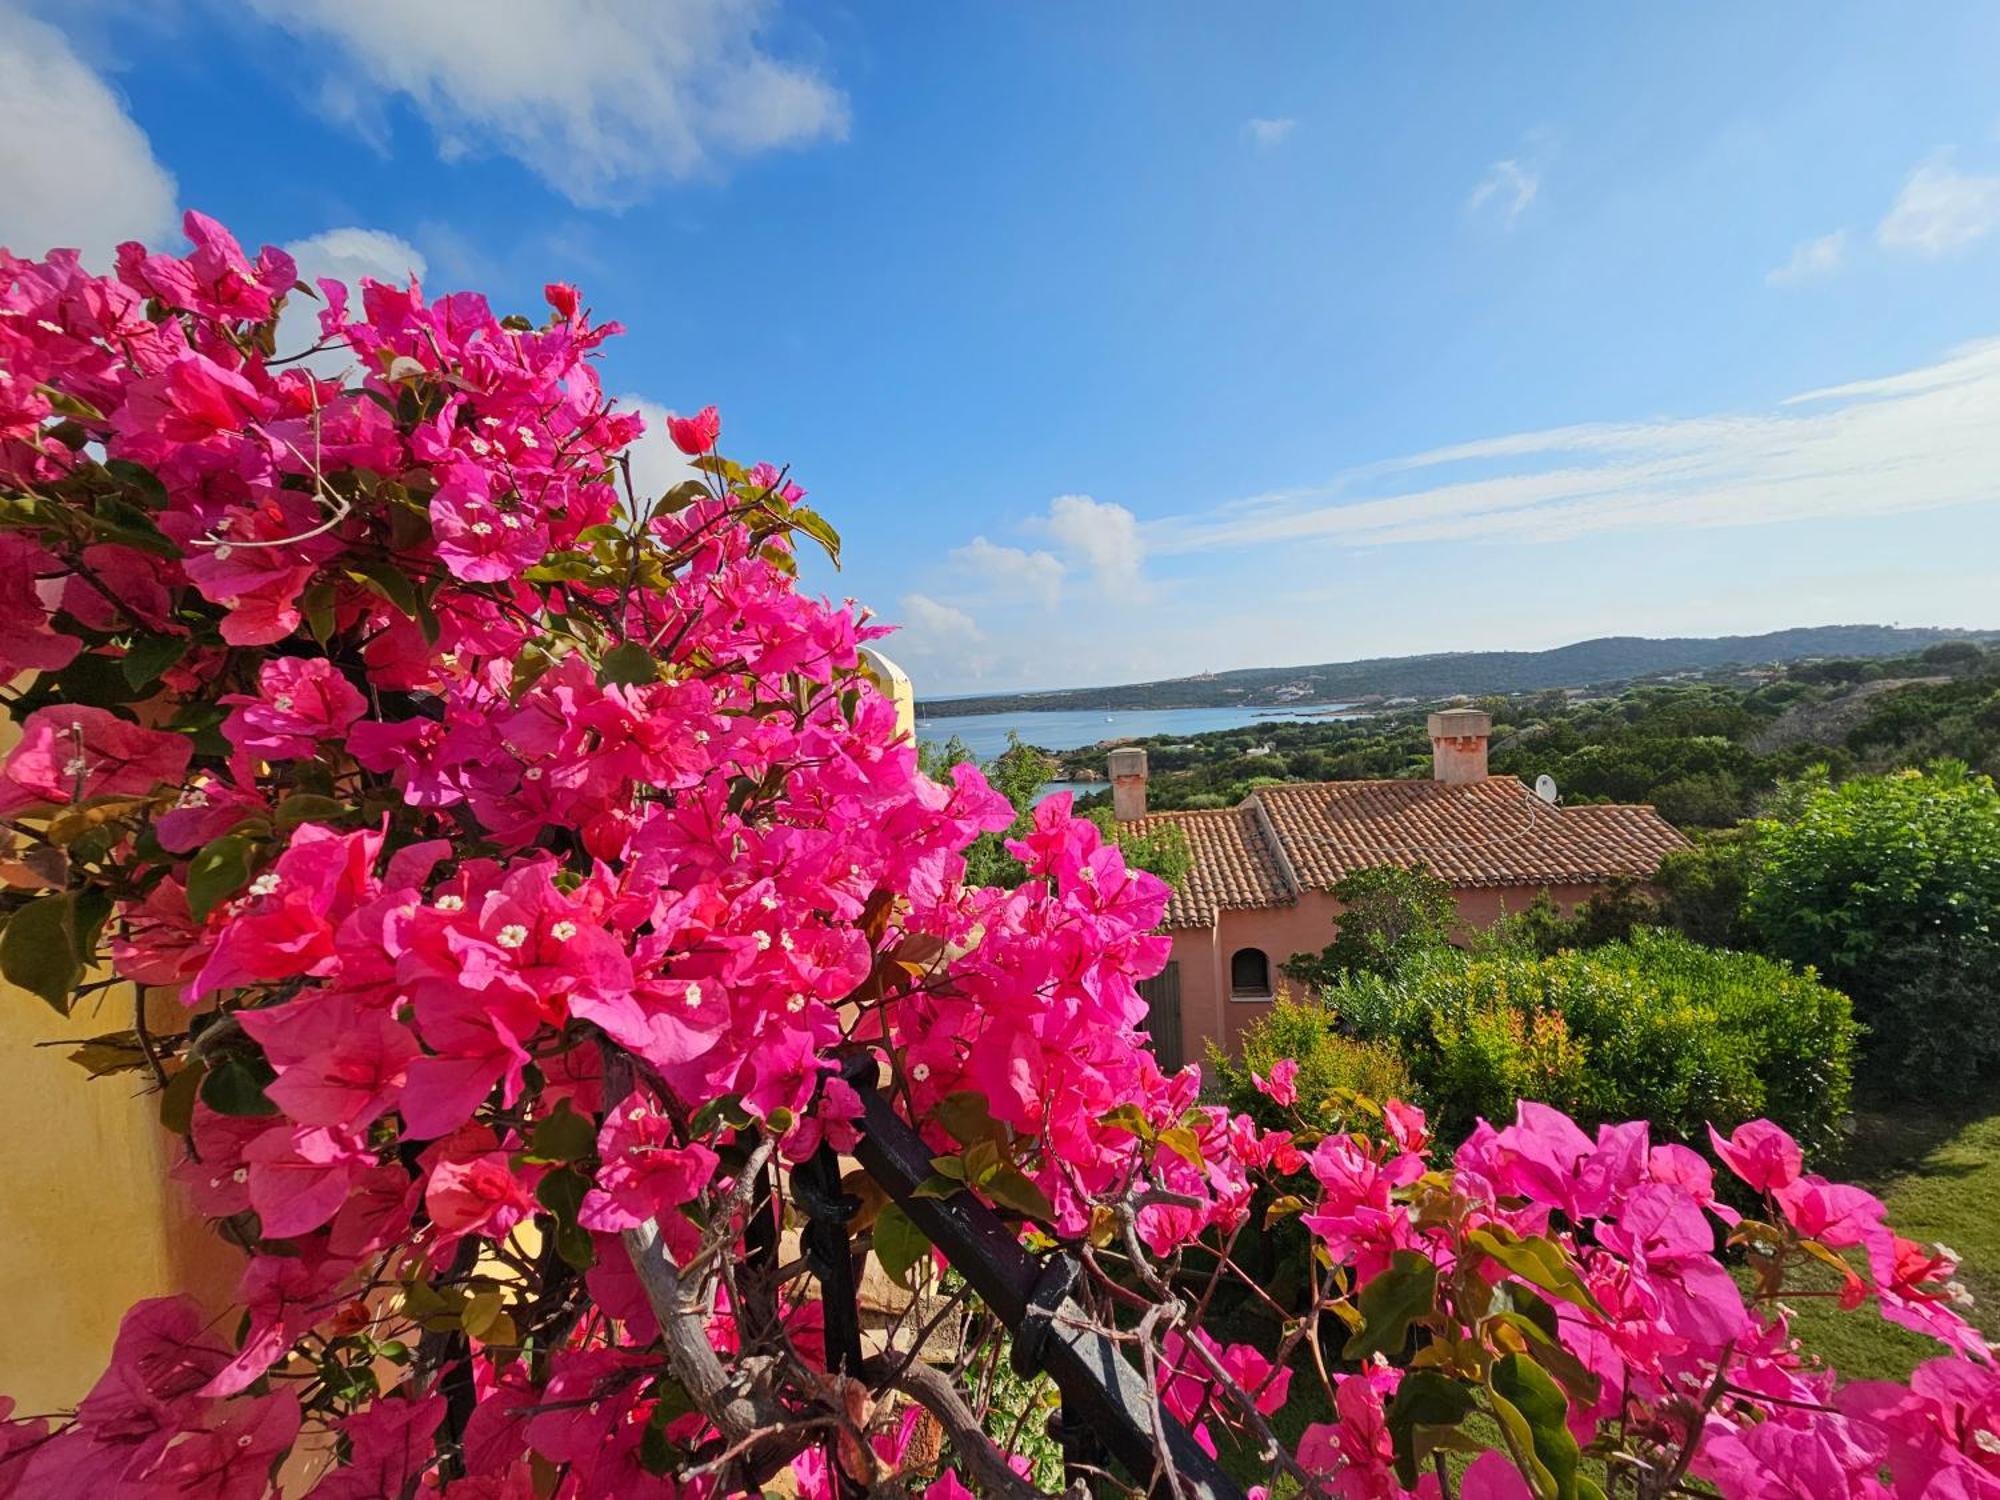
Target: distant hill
(1609, 659)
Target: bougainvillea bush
(526, 852)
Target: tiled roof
(1486, 833)
(1233, 866)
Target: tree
(554, 898)
(1388, 915)
(1880, 881)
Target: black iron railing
(1107, 1410)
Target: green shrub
(1611, 915)
(1332, 1067)
(1703, 889)
(1656, 1028)
(1891, 886)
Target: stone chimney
(1128, 784)
(1458, 745)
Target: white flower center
(534, 773)
(796, 1004)
(283, 703)
(266, 884)
(763, 940)
(513, 935)
(451, 903)
(693, 995)
(921, 1071)
(482, 528)
(562, 932)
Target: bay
(1070, 729)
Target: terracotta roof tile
(1487, 833)
(1484, 833)
(1233, 866)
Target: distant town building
(1259, 889)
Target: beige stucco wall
(1208, 1010)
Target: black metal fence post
(1103, 1396)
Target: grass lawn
(1939, 1173)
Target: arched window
(1250, 975)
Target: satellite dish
(1545, 788)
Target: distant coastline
(1381, 681)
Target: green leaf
(680, 497)
(1185, 1144)
(114, 1052)
(968, 1119)
(150, 655)
(1127, 1117)
(561, 1193)
(127, 524)
(385, 578)
(42, 949)
(899, 1244)
(1539, 1262)
(236, 1087)
(1011, 1188)
(937, 1185)
(1425, 1399)
(177, 1099)
(563, 1135)
(1534, 1409)
(217, 872)
(1391, 1302)
(627, 664)
(317, 603)
(1575, 1375)
(308, 807)
(816, 526)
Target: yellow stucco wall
(91, 1223)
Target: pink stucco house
(1259, 889)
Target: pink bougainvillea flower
(28, 641)
(72, 752)
(1760, 1153)
(477, 1192)
(300, 1176)
(645, 1173)
(388, 1445)
(1282, 1087)
(303, 706)
(697, 434)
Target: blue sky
(1133, 340)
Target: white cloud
(1940, 210)
(931, 624)
(600, 98)
(1918, 440)
(1105, 537)
(350, 254)
(1505, 191)
(1269, 133)
(75, 171)
(1811, 259)
(345, 255)
(657, 465)
(1012, 571)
